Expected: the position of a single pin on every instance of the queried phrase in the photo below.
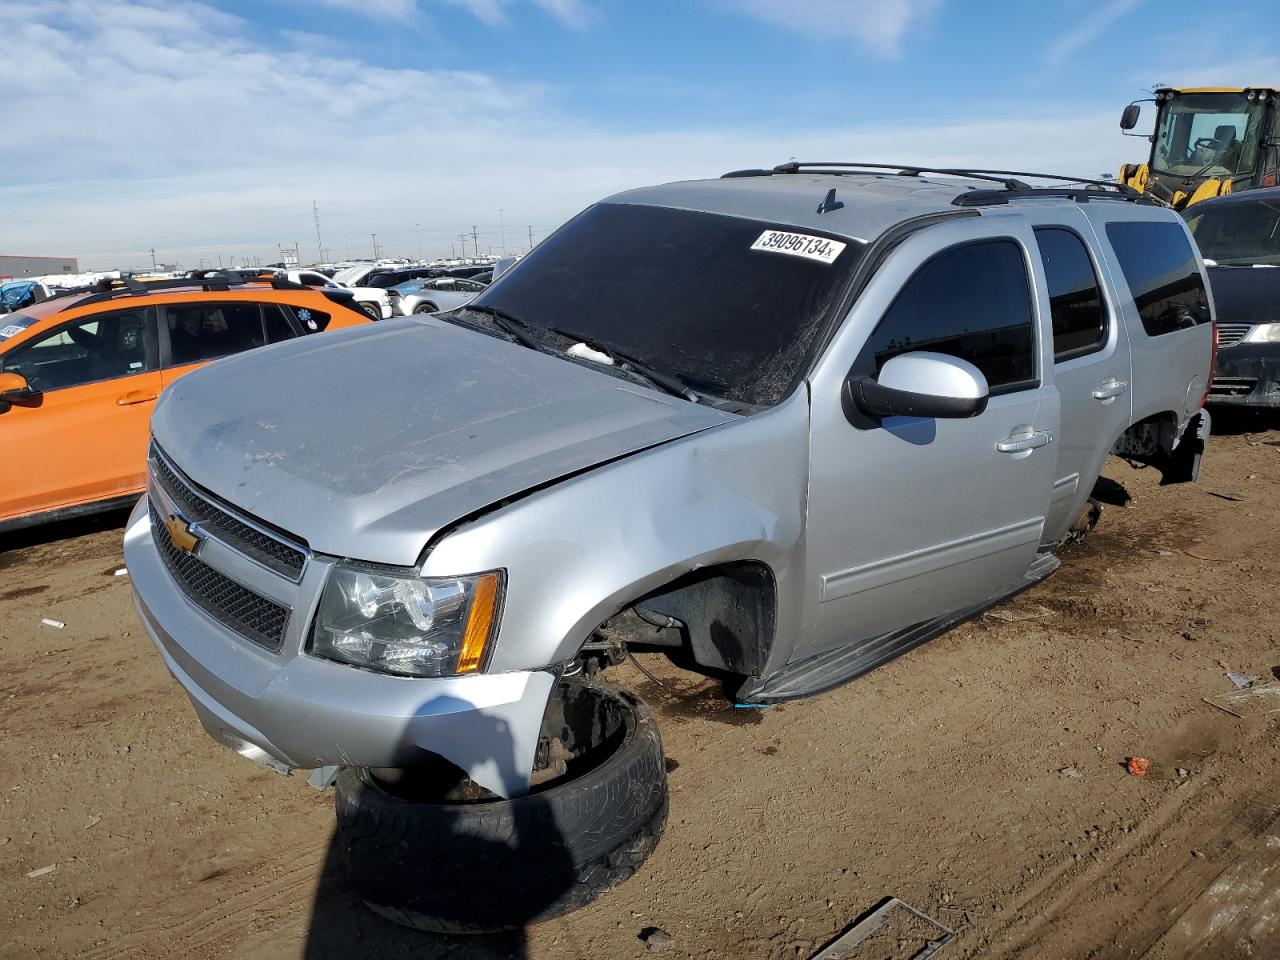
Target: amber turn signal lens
(484, 610)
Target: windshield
(704, 298)
(1208, 134)
(1239, 232)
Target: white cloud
(181, 131)
(573, 13)
(381, 9)
(1242, 70)
(492, 13)
(878, 25)
(1092, 27)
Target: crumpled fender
(581, 550)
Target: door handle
(1109, 389)
(1025, 442)
(136, 396)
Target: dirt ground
(980, 778)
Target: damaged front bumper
(290, 710)
(1247, 375)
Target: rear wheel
(439, 854)
(371, 310)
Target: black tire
(502, 864)
(425, 308)
(370, 310)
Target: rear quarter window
(1160, 267)
(310, 319)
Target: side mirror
(14, 386)
(1129, 118)
(919, 384)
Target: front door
(83, 437)
(914, 518)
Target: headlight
(413, 626)
(1263, 333)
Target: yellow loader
(1208, 141)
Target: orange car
(79, 374)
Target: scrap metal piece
(1253, 701)
(323, 777)
(845, 944)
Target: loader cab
(1206, 142)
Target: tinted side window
(205, 331)
(1160, 268)
(108, 346)
(276, 324)
(1075, 297)
(972, 302)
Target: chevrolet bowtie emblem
(180, 533)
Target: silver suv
(792, 422)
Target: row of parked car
(786, 425)
(80, 369)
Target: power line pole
(475, 240)
(530, 237)
(315, 212)
(297, 254)
(153, 259)
(375, 245)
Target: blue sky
(207, 129)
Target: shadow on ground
(342, 927)
(1234, 421)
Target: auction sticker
(13, 329)
(799, 245)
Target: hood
(366, 442)
(1246, 294)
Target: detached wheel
(421, 854)
(425, 308)
(371, 310)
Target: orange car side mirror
(13, 386)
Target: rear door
(194, 333)
(83, 438)
(1165, 304)
(913, 518)
(1091, 363)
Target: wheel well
(1156, 441)
(726, 614)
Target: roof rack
(1011, 183)
(132, 287)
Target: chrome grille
(270, 551)
(1229, 334)
(251, 615)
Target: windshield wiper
(508, 323)
(631, 365)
